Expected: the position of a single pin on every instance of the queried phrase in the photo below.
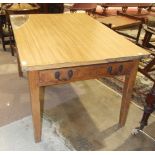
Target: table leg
(20, 73)
(127, 92)
(33, 79)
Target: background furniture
(22, 8)
(149, 31)
(18, 8)
(88, 7)
(79, 52)
(51, 7)
(125, 6)
(145, 70)
(148, 66)
(4, 28)
(4, 32)
(148, 109)
(122, 21)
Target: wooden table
(63, 48)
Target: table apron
(71, 74)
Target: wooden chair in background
(4, 32)
(149, 108)
(147, 67)
(18, 8)
(123, 21)
(87, 7)
(22, 8)
(125, 6)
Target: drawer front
(64, 75)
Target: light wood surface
(64, 40)
(119, 21)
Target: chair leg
(139, 10)
(104, 10)
(138, 34)
(148, 68)
(20, 73)
(147, 38)
(12, 50)
(11, 38)
(149, 108)
(150, 65)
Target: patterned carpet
(142, 87)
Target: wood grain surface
(47, 41)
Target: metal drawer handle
(120, 69)
(69, 76)
(109, 70)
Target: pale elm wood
(33, 79)
(127, 92)
(47, 41)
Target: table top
(47, 41)
(119, 21)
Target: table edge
(77, 64)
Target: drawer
(64, 75)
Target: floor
(87, 114)
(11, 140)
